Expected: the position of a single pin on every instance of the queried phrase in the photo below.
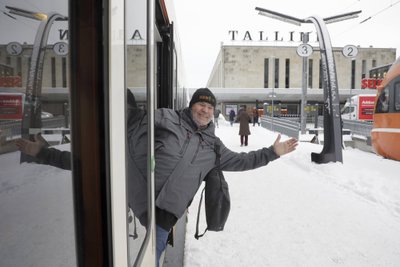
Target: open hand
(30, 148)
(282, 148)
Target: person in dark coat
(232, 115)
(244, 130)
(255, 117)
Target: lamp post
(332, 150)
(272, 96)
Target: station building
(251, 75)
(259, 74)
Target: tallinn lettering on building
(291, 36)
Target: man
(184, 154)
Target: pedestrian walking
(255, 117)
(232, 115)
(244, 130)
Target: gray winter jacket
(183, 157)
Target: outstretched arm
(45, 155)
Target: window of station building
(287, 73)
(266, 72)
(276, 73)
(310, 73)
(363, 69)
(353, 74)
(320, 74)
(374, 63)
(64, 71)
(53, 72)
(19, 66)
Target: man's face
(202, 113)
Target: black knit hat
(203, 95)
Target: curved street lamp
(332, 150)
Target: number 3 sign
(304, 50)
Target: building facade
(278, 70)
(281, 67)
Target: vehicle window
(382, 105)
(397, 96)
(37, 213)
(135, 34)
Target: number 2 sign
(350, 51)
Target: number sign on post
(304, 50)
(350, 51)
(14, 49)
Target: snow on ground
(36, 214)
(294, 212)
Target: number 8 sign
(304, 50)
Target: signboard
(366, 107)
(10, 81)
(370, 83)
(10, 106)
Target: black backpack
(217, 200)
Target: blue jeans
(161, 242)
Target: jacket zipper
(186, 142)
(197, 149)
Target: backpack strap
(217, 163)
(196, 235)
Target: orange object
(385, 135)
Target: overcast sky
(204, 25)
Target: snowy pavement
(294, 212)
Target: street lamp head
(342, 17)
(297, 21)
(279, 16)
(26, 13)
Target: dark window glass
(363, 69)
(353, 74)
(382, 105)
(64, 72)
(266, 72)
(397, 96)
(320, 75)
(276, 74)
(53, 72)
(287, 73)
(310, 73)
